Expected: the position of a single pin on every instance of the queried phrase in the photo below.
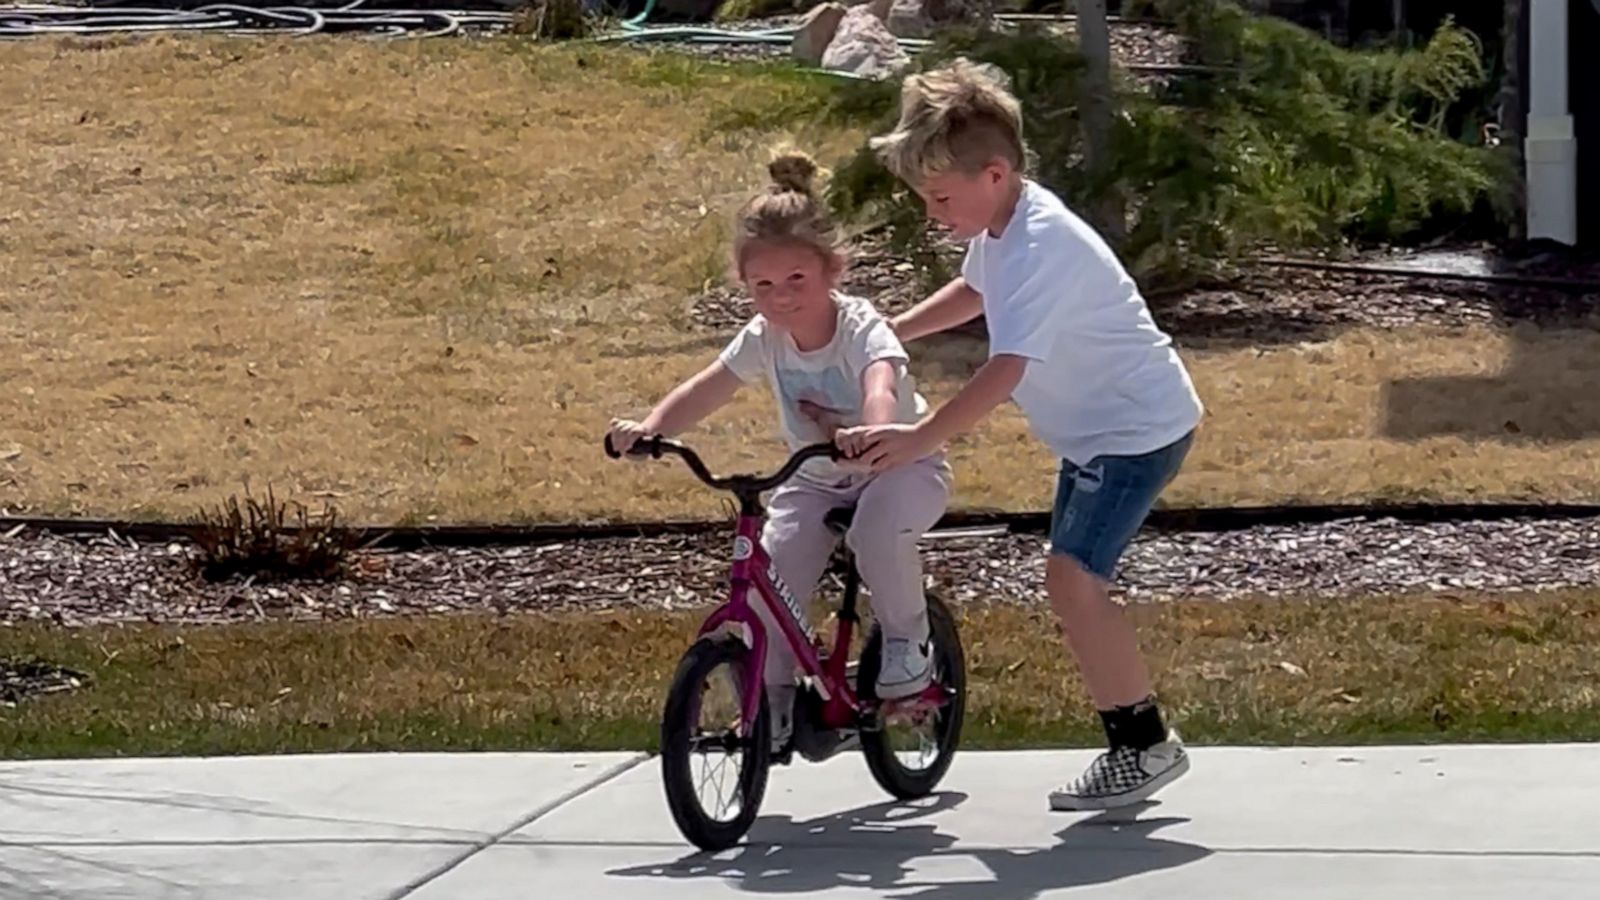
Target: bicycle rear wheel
(908, 758)
(702, 718)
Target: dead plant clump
(254, 541)
(24, 678)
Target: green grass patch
(1383, 669)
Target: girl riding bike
(832, 362)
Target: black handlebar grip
(650, 446)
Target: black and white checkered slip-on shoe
(1123, 776)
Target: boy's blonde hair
(959, 117)
(789, 210)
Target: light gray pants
(893, 510)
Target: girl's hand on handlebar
(884, 447)
(853, 441)
(624, 434)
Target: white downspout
(1551, 151)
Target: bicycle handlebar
(656, 445)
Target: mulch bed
(1264, 304)
(80, 581)
(1132, 44)
(1277, 304)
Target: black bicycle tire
(898, 781)
(700, 829)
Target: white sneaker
(1124, 776)
(907, 669)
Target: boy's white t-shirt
(830, 376)
(1102, 377)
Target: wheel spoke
(913, 742)
(716, 780)
(719, 782)
(711, 800)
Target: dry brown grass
(417, 279)
(1238, 672)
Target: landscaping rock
(864, 46)
(816, 32)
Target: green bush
(552, 20)
(1293, 144)
(741, 10)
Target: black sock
(1138, 726)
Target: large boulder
(863, 44)
(816, 32)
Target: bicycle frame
(753, 568)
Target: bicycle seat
(838, 520)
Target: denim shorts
(1101, 505)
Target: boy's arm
(990, 386)
(954, 304)
(887, 446)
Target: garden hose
(635, 29)
(109, 16)
(39, 20)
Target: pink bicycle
(835, 706)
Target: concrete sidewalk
(1370, 823)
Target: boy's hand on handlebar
(624, 434)
(883, 447)
(832, 422)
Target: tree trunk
(1513, 126)
(1098, 106)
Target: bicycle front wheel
(715, 780)
(908, 756)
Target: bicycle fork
(753, 569)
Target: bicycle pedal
(917, 708)
(913, 715)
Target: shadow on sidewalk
(875, 847)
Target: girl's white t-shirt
(1102, 377)
(829, 376)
